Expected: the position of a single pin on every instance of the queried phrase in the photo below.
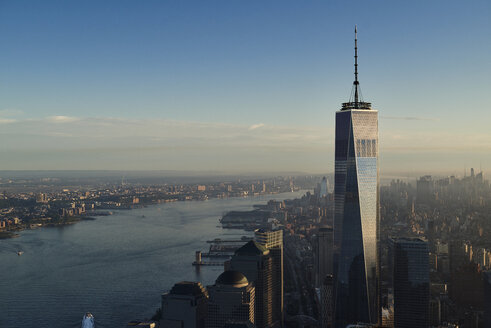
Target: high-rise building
(185, 306)
(323, 254)
(356, 217)
(411, 283)
(424, 189)
(327, 301)
(273, 240)
(323, 188)
(231, 301)
(487, 298)
(256, 263)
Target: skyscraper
(323, 254)
(255, 262)
(326, 301)
(231, 300)
(185, 306)
(273, 240)
(411, 283)
(487, 298)
(356, 218)
(323, 187)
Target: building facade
(185, 306)
(323, 254)
(273, 241)
(356, 217)
(487, 298)
(327, 292)
(255, 262)
(231, 301)
(411, 280)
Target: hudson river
(115, 267)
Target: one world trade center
(356, 217)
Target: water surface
(115, 267)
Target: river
(115, 267)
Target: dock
(207, 263)
(243, 240)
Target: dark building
(323, 254)
(411, 283)
(487, 298)
(356, 215)
(327, 301)
(231, 301)
(256, 263)
(185, 306)
(273, 240)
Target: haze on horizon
(240, 86)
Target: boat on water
(20, 253)
(88, 320)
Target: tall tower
(255, 262)
(356, 217)
(323, 254)
(411, 278)
(487, 298)
(273, 240)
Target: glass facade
(356, 219)
(411, 283)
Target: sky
(241, 86)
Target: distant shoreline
(73, 220)
(32, 226)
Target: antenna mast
(356, 99)
(356, 83)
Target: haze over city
(240, 86)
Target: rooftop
(252, 248)
(356, 105)
(232, 278)
(188, 288)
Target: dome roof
(189, 288)
(232, 278)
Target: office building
(356, 217)
(487, 298)
(185, 306)
(323, 254)
(256, 263)
(273, 240)
(323, 188)
(327, 292)
(231, 301)
(424, 189)
(411, 283)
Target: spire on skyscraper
(356, 83)
(356, 99)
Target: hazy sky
(240, 85)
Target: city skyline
(213, 87)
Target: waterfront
(115, 267)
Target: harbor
(220, 250)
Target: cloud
(157, 143)
(256, 126)
(409, 118)
(61, 119)
(7, 120)
(11, 112)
